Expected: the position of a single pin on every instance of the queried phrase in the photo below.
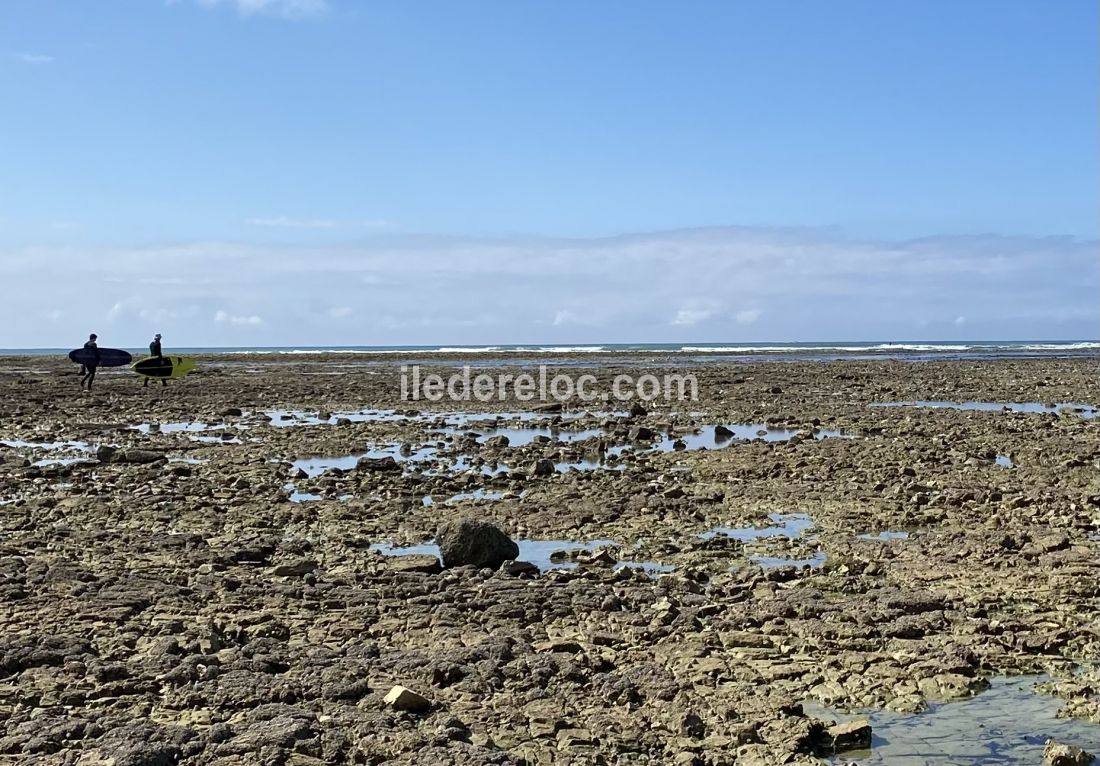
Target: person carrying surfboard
(90, 366)
(154, 351)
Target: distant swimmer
(154, 351)
(90, 366)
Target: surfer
(154, 351)
(90, 367)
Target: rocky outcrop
(467, 542)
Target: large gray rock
(466, 542)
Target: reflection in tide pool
(789, 525)
(709, 437)
(1007, 724)
(172, 428)
(537, 552)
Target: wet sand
(236, 600)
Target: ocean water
(816, 350)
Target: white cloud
(287, 9)
(223, 317)
(565, 317)
(284, 222)
(339, 312)
(688, 317)
(694, 312)
(662, 286)
(33, 58)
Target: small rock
(1057, 754)
(722, 432)
(543, 467)
(422, 563)
(106, 454)
(850, 735)
(1056, 541)
(638, 411)
(295, 569)
(400, 698)
(691, 725)
(377, 464)
(231, 412)
(519, 568)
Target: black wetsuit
(91, 366)
(154, 350)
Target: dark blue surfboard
(108, 357)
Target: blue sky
(166, 162)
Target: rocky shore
(205, 573)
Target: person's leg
(146, 383)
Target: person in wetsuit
(154, 350)
(90, 366)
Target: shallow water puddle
(708, 438)
(1084, 410)
(73, 445)
(84, 448)
(705, 438)
(541, 553)
(223, 439)
(1007, 724)
(297, 496)
(62, 461)
(445, 419)
(172, 428)
(297, 418)
(789, 525)
(315, 466)
(521, 437)
(1004, 460)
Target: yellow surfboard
(164, 366)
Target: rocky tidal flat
(782, 572)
